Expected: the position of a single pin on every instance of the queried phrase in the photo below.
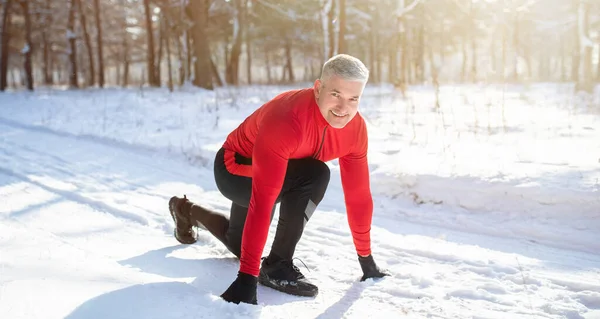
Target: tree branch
(403, 11)
(290, 14)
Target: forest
(213, 43)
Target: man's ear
(317, 88)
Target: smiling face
(338, 99)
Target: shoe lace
(296, 268)
(290, 269)
(295, 271)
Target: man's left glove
(243, 289)
(369, 268)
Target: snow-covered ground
(488, 207)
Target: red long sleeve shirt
(290, 126)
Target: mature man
(278, 155)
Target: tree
(72, 37)
(202, 65)
(4, 43)
(88, 43)
(99, 44)
(151, 70)
(28, 48)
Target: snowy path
(84, 233)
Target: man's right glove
(243, 289)
(369, 268)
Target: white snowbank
(514, 151)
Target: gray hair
(345, 66)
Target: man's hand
(243, 289)
(369, 268)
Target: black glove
(369, 268)
(243, 289)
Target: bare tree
(342, 27)
(4, 42)
(239, 8)
(585, 46)
(88, 44)
(202, 65)
(72, 37)
(28, 48)
(152, 80)
(99, 44)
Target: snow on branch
(402, 11)
(582, 30)
(290, 13)
(543, 25)
(358, 13)
(526, 6)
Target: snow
(486, 208)
(26, 49)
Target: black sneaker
(282, 275)
(184, 232)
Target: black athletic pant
(305, 183)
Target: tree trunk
(378, 62)
(4, 43)
(161, 40)
(586, 45)
(442, 42)
(46, 70)
(180, 64)
(126, 66)
(463, 72)
(248, 58)
(331, 34)
(268, 65)
(72, 37)
(28, 46)
(215, 73)
(404, 75)
(99, 44)
(288, 56)
(167, 38)
(326, 26)
(46, 60)
(516, 48)
(150, 45)
(393, 52)
(88, 44)
(421, 55)
(563, 58)
(188, 55)
(125, 51)
(342, 23)
(202, 64)
(373, 50)
(473, 34)
(598, 69)
(232, 68)
(504, 52)
(283, 73)
(118, 74)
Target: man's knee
(319, 175)
(323, 174)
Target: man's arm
(359, 203)
(275, 142)
(357, 193)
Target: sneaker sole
(183, 241)
(288, 289)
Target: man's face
(338, 99)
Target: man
(278, 155)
